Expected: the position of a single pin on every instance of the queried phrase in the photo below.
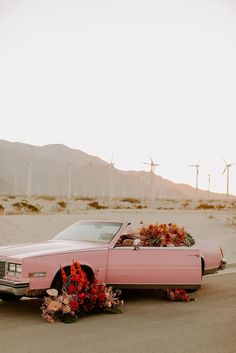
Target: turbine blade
(224, 171)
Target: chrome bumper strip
(12, 287)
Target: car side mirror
(136, 244)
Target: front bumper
(12, 287)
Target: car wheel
(9, 297)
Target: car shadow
(27, 307)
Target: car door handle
(197, 255)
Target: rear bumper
(12, 287)
(223, 264)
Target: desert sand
(148, 323)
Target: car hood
(49, 247)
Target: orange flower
(72, 270)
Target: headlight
(14, 269)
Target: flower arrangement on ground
(179, 295)
(79, 296)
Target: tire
(9, 297)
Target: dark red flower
(81, 296)
(101, 297)
(74, 305)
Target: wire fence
(42, 213)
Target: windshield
(102, 232)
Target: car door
(154, 266)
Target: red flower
(74, 305)
(101, 297)
(76, 278)
(71, 289)
(81, 296)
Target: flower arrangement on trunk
(165, 235)
(79, 296)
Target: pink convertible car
(26, 268)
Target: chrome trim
(12, 287)
(223, 264)
(155, 286)
(2, 269)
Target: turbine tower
(227, 167)
(197, 166)
(69, 181)
(209, 184)
(29, 180)
(152, 173)
(90, 173)
(110, 166)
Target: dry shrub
(140, 206)
(220, 207)
(231, 221)
(204, 206)
(130, 200)
(46, 198)
(211, 216)
(61, 205)
(25, 206)
(84, 198)
(186, 203)
(96, 205)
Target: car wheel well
(57, 280)
(202, 265)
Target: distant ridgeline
(62, 171)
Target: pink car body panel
(121, 266)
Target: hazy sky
(129, 77)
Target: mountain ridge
(57, 169)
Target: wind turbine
(90, 164)
(152, 173)
(209, 183)
(29, 180)
(227, 167)
(197, 166)
(15, 182)
(110, 166)
(69, 181)
(142, 176)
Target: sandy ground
(148, 323)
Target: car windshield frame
(80, 232)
